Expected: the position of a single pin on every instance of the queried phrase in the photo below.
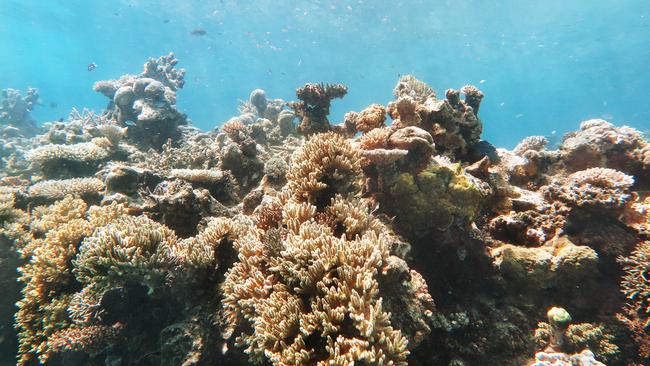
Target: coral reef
(14, 111)
(635, 285)
(281, 238)
(314, 106)
(148, 101)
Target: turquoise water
(543, 65)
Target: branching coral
(314, 106)
(314, 287)
(48, 281)
(316, 300)
(327, 165)
(635, 285)
(130, 249)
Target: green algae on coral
(433, 199)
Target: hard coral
(326, 165)
(452, 122)
(601, 144)
(374, 116)
(130, 249)
(594, 188)
(147, 100)
(314, 106)
(635, 285)
(433, 199)
(314, 300)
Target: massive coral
(148, 101)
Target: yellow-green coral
(431, 200)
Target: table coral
(314, 106)
(76, 160)
(51, 190)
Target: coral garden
(395, 237)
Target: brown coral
(374, 116)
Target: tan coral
(130, 248)
(326, 165)
(374, 116)
(88, 188)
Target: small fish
(166, 21)
(198, 31)
(53, 105)
(92, 66)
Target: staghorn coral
(317, 286)
(48, 280)
(89, 189)
(326, 165)
(314, 106)
(334, 277)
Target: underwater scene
(312, 182)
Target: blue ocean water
(543, 65)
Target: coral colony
(395, 237)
